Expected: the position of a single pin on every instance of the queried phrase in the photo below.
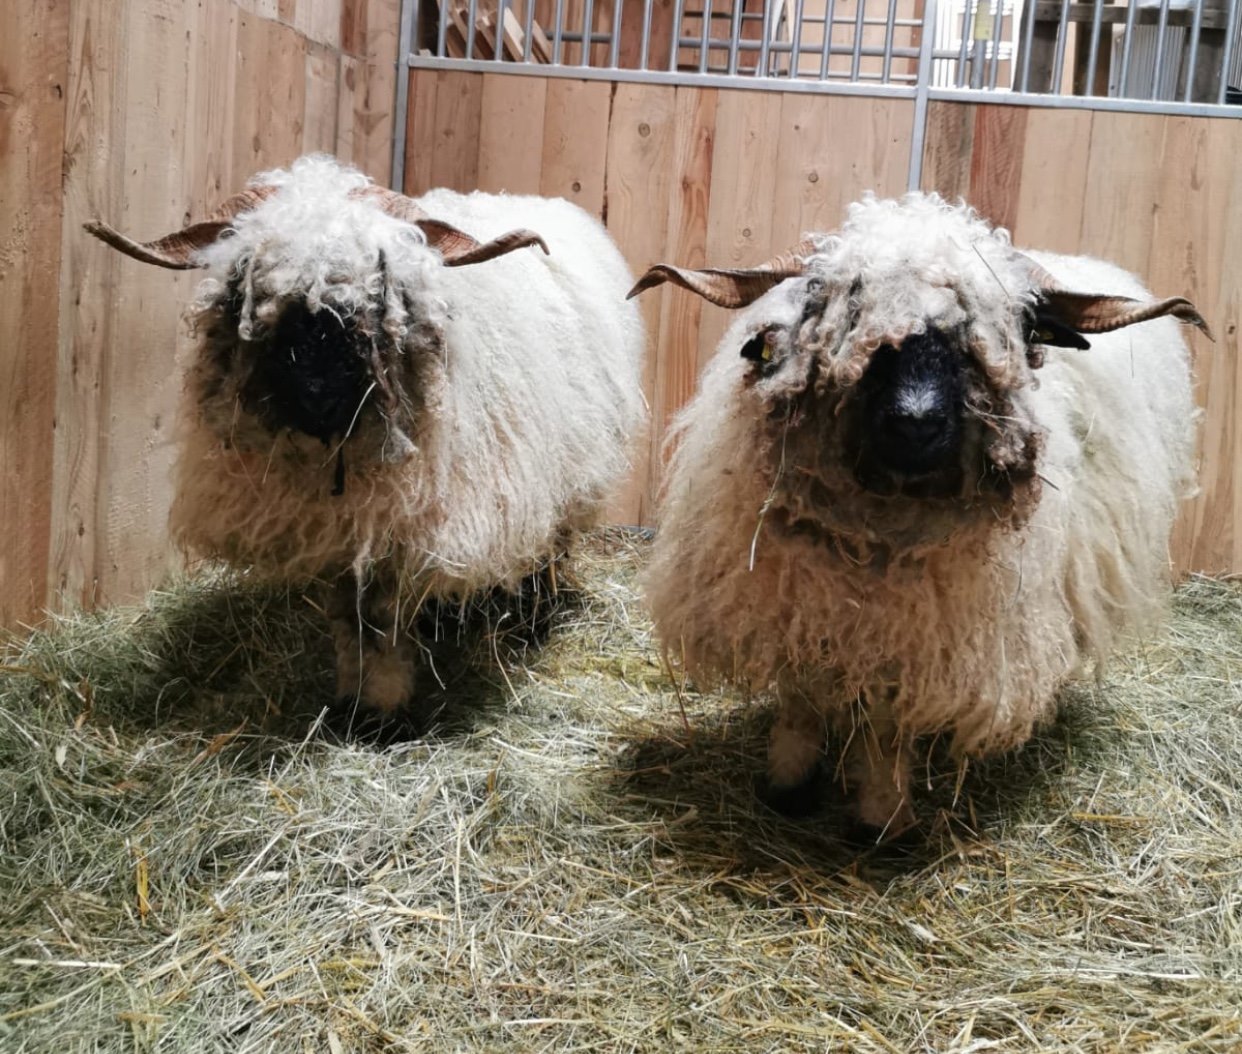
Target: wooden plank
(319, 116)
(140, 386)
(641, 144)
(1121, 187)
(996, 162)
(511, 133)
(575, 142)
(1052, 183)
(270, 97)
(743, 193)
(676, 369)
(947, 150)
(1192, 255)
(376, 96)
(454, 142)
(34, 78)
(420, 121)
(347, 77)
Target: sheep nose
(917, 429)
(916, 443)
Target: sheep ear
(459, 249)
(730, 287)
(1102, 312)
(178, 251)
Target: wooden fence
(722, 176)
(145, 113)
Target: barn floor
(188, 864)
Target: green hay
(187, 864)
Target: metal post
(1161, 28)
(614, 48)
(765, 41)
(735, 34)
(1123, 85)
(646, 41)
(557, 32)
(405, 44)
(528, 28)
(961, 58)
(706, 36)
(500, 29)
(1231, 33)
(998, 36)
(1192, 57)
(1058, 61)
(473, 14)
(676, 36)
(889, 30)
(830, 15)
(859, 21)
(927, 45)
(795, 54)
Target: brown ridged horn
(1105, 312)
(176, 251)
(456, 246)
(731, 287)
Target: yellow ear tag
(767, 353)
(1043, 335)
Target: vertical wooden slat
(677, 357)
(94, 151)
(947, 149)
(454, 146)
(375, 97)
(319, 117)
(1121, 188)
(420, 123)
(34, 79)
(744, 188)
(1053, 178)
(511, 133)
(575, 142)
(640, 151)
(996, 162)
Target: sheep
(365, 411)
(908, 500)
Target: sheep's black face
(908, 416)
(312, 376)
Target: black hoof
(352, 722)
(796, 800)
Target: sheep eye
(1042, 328)
(761, 348)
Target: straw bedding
(573, 857)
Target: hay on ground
(188, 864)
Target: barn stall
(574, 858)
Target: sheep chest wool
(381, 402)
(923, 479)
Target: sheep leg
(876, 768)
(795, 745)
(374, 655)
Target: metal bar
(1192, 57)
(1127, 46)
(528, 30)
(673, 77)
(444, 19)
(646, 41)
(961, 59)
(405, 45)
(705, 36)
(735, 34)
(998, 38)
(918, 134)
(588, 13)
(470, 24)
(1096, 13)
(675, 37)
(614, 49)
(826, 52)
(795, 53)
(1028, 12)
(1058, 60)
(766, 40)
(500, 30)
(889, 31)
(1090, 102)
(1231, 36)
(558, 32)
(856, 61)
(1162, 26)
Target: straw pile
(187, 863)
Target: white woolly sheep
(914, 503)
(365, 411)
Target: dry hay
(186, 864)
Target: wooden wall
(726, 177)
(144, 113)
(685, 174)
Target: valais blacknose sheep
(364, 409)
(922, 480)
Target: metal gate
(1156, 56)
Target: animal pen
(573, 857)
